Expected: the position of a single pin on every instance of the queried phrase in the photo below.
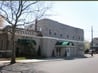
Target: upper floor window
(26, 32)
(17, 32)
(55, 33)
(22, 32)
(73, 37)
(79, 37)
(49, 32)
(30, 33)
(82, 39)
(67, 36)
(61, 35)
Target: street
(77, 65)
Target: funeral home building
(53, 39)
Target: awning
(64, 43)
(26, 41)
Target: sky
(80, 14)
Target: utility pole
(36, 24)
(92, 37)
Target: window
(19, 32)
(82, 38)
(22, 32)
(96, 43)
(1, 41)
(67, 36)
(73, 37)
(55, 33)
(79, 37)
(26, 32)
(49, 32)
(61, 35)
(30, 33)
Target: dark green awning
(64, 43)
(26, 41)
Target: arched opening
(65, 54)
(39, 52)
(26, 48)
(53, 53)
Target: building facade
(53, 30)
(94, 44)
(52, 39)
(5, 38)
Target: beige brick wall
(57, 29)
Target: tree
(86, 45)
(14, 12)
(31, 49)
(40, 12)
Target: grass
(20, 58)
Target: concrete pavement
(38, 60)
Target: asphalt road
(84, 65)
(77, 65)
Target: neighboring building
(95, 44)
(5, 38)
(52, 39)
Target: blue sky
(81, 14)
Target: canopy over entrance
(64, 43)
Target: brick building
(53, 39)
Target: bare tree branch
(29, 5)
(20, 24)
(6, 19)
(4, 12)
(27, 12)
(12, 12)
(19, 6)
(18, 13)
(40, 11)
(25, 23)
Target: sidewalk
(31, 60)
(41, 60)
(23, 61)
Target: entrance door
(68, 52)
(65, 55)
(58, 52)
